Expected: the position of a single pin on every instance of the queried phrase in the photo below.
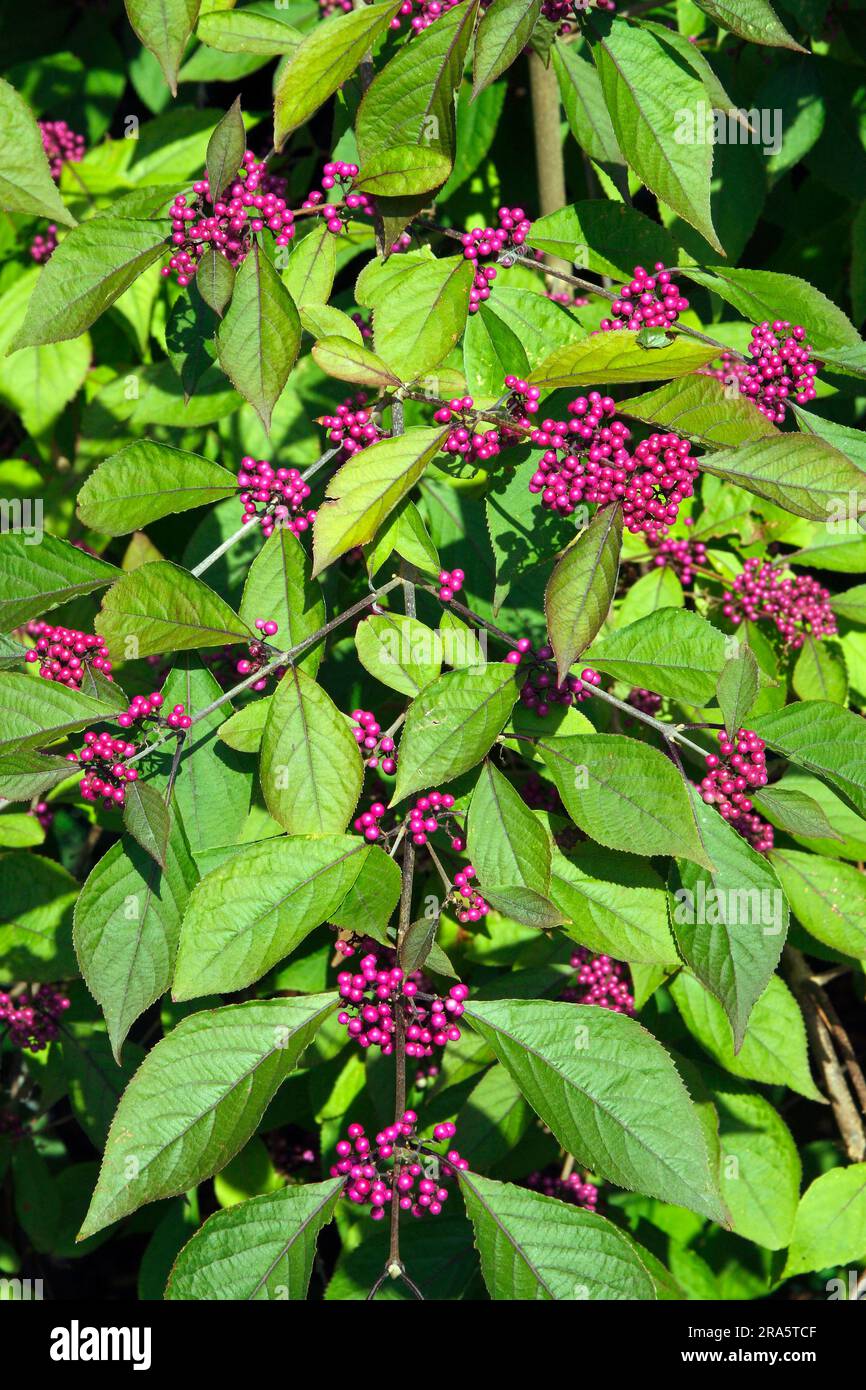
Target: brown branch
(849, 1122)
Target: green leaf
(654, 102)
(700, 408)
(406, 534)
(586, 112)
(671, 651)
(851, 604)
(20, 830)
(260, 1249)
(830, 1226)
(311, 770)
(95, 1079)
(90, 269)
(617, 906)
(329, 54)
(452, 725)
(799, 472)
(34, 712)
(247, 31)
(534, 1247)
(225, 151)
(309, 275)
(774, 1047)
(581, 589)
(766, 294)
(401, 652)
(794, 811)
(420, 309)
(243, 731)
(189, 335)
(352, 362)
(164, 29)
(215, 278)
(367, 489)
(737, 688)
(624, 794)
(38, 382)
(825, 739)
(508, 845)
(602, 236)
(730, 924)
(411, 102)
(127, 926)
(220, 1068)
(38, 896)
(25, 775)
(148, 819)
(525, 905)
(26, 184)
(403, 171)
(162, 608)
(372, 897)
(259, 338)
(569, 1061)
(759, 1167)
(213, 786)
(502, 36)
(279, 587)
(820, 672)
(614, 358)
(258, 906)
(754, 20)
(145, 481)
(828, 898)
(35, 577)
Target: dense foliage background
(391, 878)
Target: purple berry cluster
(62, 146)
(737, 768)
(30, 1019)
(260, 653)
(422, 13)
(645, 701)
(353, 426)
(144, 707)
(44, 244)
(648, 301)
(340, 176)
(564, 12)
(424, 819)
(600, 980)
(399, 1162)
(488, 243)
(540, 689)
(377, 749)
(799, 607)
(64, 653)
(664, 476)
(372, 994)
(682, 556)
(585, 458)
(779, 368)
(572, 1188)
(276, 495)
(253, 203)
(450, 583)
(470, 905)
(109, 774)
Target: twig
(286, 658)
(848, 1120)
(668, 732)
